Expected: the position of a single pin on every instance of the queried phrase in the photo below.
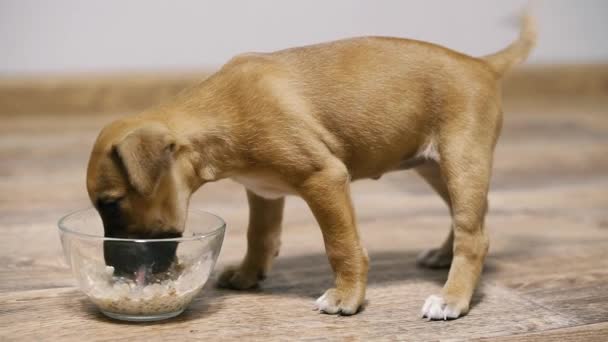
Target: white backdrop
(139, 35)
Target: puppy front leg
(263, 243)
(327, 193)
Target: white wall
(116, 35)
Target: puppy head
(134, 181)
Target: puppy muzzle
(129, 257)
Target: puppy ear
(146, 154)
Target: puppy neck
(207, 150)
(201, 119)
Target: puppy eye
(109, 204)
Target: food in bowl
(144, 295)
(120, 295)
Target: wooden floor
(546, 277)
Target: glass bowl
(145, 295)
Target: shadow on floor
(303, 276)
(310, 275)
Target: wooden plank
(584, 333)
(282, 312)
(582, 294)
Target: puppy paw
(436, 308)
(434, 258)
(335, 302)
(234, 278)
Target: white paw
(435, 308)
(333, 302)
(325, 305)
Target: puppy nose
(127, 257)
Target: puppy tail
(503, 60)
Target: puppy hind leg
(466, 167)
(440, 257)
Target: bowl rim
(214, 231)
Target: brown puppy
(307, 121)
